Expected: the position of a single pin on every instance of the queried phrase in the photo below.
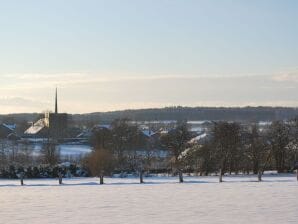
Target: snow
(161, 200)
(199, 122)
(36, 127)
(107, 126)
(265, 123)
(153, 153)
(35, 140)
(148, 133)
(11, 127)
(198, 138)
(74, 150)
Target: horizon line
(165, 107)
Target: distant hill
(17, 118)
(195, 113)
(174, 113)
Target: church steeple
(56, 102)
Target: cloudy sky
(116, 54)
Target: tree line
(246, 114)
(228, 147)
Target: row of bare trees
(115, 149)
(230, 147)
(23, 154)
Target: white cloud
(286, 77)
(19, 101)
(86, 92)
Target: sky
(108, 55)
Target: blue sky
(107, 55)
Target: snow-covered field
(161, 200)
(65, 150)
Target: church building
(53, 125)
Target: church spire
(56, 102)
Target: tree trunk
(220, 175)
(180, 176)
(141, 177)
(260, 176)
(101, 178)
(22, 179)
(255, 167)
(60, 177)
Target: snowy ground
(161, 200)
(74, 150)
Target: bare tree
(125, 138)
(201, 158)
(50, 154)
(102, 137)
(257, 151)
(226, 137)
(176, 141)
(279, 139)
(293, 145)
(100, 162)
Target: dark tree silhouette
(176, 141)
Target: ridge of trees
(241, 114)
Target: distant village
(124, 146)
(56, 127)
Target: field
(240, 199)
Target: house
(38, 129)
(6, 130)
(200, 139)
